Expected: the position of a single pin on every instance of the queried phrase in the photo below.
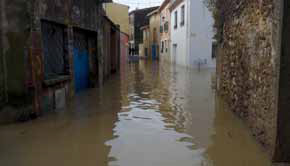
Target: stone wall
(249, 61)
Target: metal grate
(55, 61)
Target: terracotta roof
(153, 12)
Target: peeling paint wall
(249, 67)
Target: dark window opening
(166, 26)
(214, 50)
(175, 19)
(54, 38)
(182, 15)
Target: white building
(192, 34)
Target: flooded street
(149, 115)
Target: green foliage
(216, 7)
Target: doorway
(81, 61)
(282, 153)
(174, 53)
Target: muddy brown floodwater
(149, 115)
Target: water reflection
(150, 115)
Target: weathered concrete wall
(249, 66)
(106, 43)
(21, 39)
(79, 13)
(15, 21)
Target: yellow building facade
(119, 14)
(154, 34)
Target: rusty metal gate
(55, 55)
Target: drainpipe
(3, 23)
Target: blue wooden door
(81, 69)
(154, 52)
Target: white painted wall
(195, 39)
(178, 37)
(200, 35)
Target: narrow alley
(148, 115)
(144, 83)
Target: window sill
(56, 80)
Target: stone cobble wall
(249, 67)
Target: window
(166, 26)
(154, 35)
(162, 46)
(56, 59)
(182, 15)
(166, 46)
(175, 19)
(161, 29)
(214, 50)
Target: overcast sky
(139, 3)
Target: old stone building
(52, 49)
(253, 70)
